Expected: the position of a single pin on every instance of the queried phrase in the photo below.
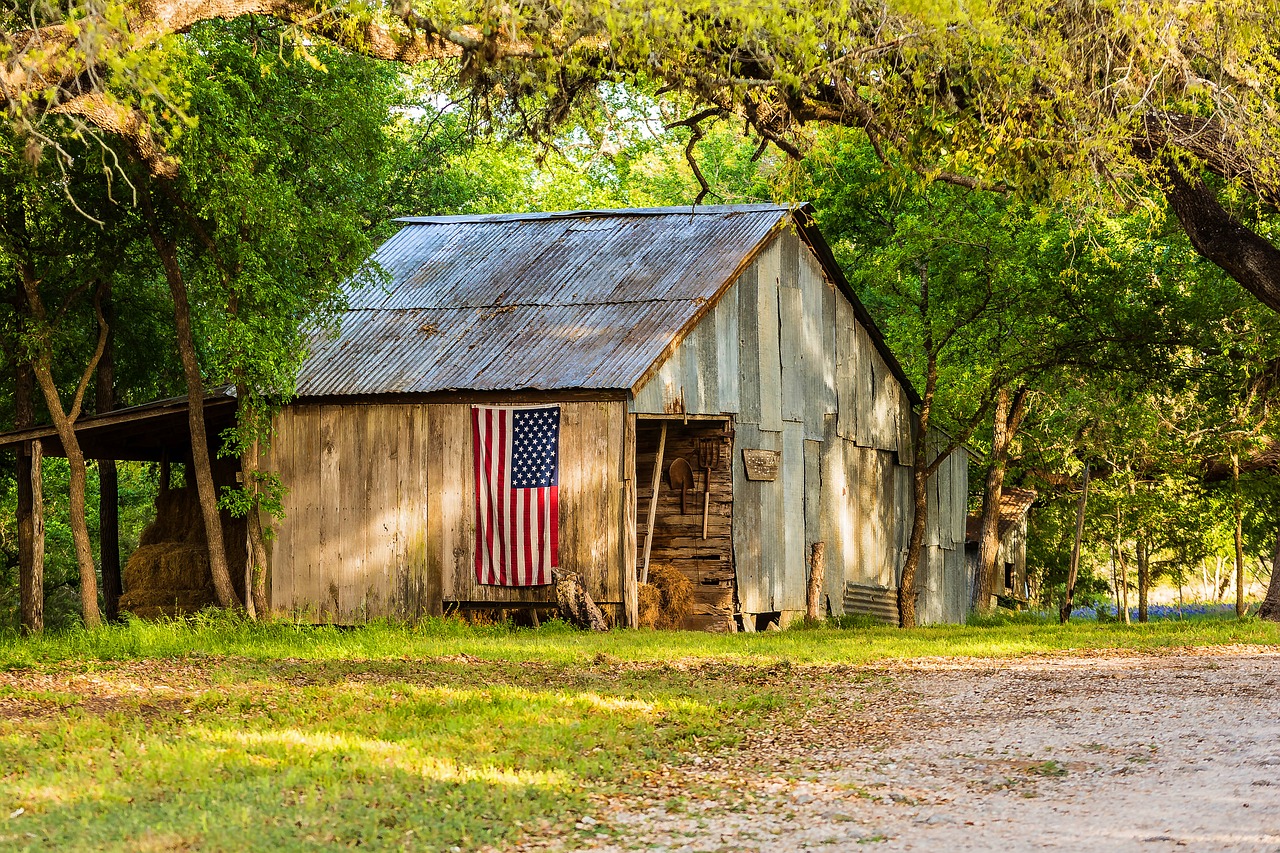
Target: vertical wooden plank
(613, 418)
(426, 586)
(438, 562)
(830, 296)
(863, 387)
(321, 576)
(906, 417)
(793, 349)
(812, 507)
(376, 592)
(859, 468)
(836, 522)
(788, 244)
(846, 367)
(727, 344)
(353, 511)
(757, 522)
(627, 559)
(885, 509)
(789, 581)
(817, 357)
(749, 400)
(769, 357)
(449, 428)
(706, 367)
(281, 460)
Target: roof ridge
(601, 213)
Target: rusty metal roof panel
(582, 299)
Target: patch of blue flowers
(1189, 610)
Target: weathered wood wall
(678, 542)
(784, 354)
(380, 511)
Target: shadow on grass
(379, 755)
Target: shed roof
(1014, 505)
(543, 301)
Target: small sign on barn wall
(762, 464)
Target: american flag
(517, 502)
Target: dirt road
(1178, 751)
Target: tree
(1092, 99)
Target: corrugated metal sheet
(584, 299)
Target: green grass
(211, 733)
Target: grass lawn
(222, 735)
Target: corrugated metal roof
(581, 299)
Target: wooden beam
(653, 502)
(630, 591)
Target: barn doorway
(692, 529)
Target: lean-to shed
(1011, 559)
(719, 345)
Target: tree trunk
(1270, 609)
(1144, 576)
(1123, 583)
(108, 476)
(64, 424)
(255, 539)
(1245, 256)
(30, 554)
(576, 606)
(920, 500)
(206, 490)
(32, 586)
(1074, 570)
(1008, 415)
(814, 611)
(1239, 518)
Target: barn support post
(653, 502)
(32, 579)
(630, 588)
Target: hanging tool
(680, 474)
(710, 455)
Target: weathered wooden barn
(1011, 559)
(725, 335)
(715, 353)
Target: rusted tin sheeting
(548, 262)
(545, 347)
(533, 302)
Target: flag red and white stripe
(516, 452)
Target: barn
(724, 403)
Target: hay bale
(167, 579)
(178, 519)
(650, 606)
(675, 595)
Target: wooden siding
(784, 355)
(379, 514)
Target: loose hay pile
(666, 599)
